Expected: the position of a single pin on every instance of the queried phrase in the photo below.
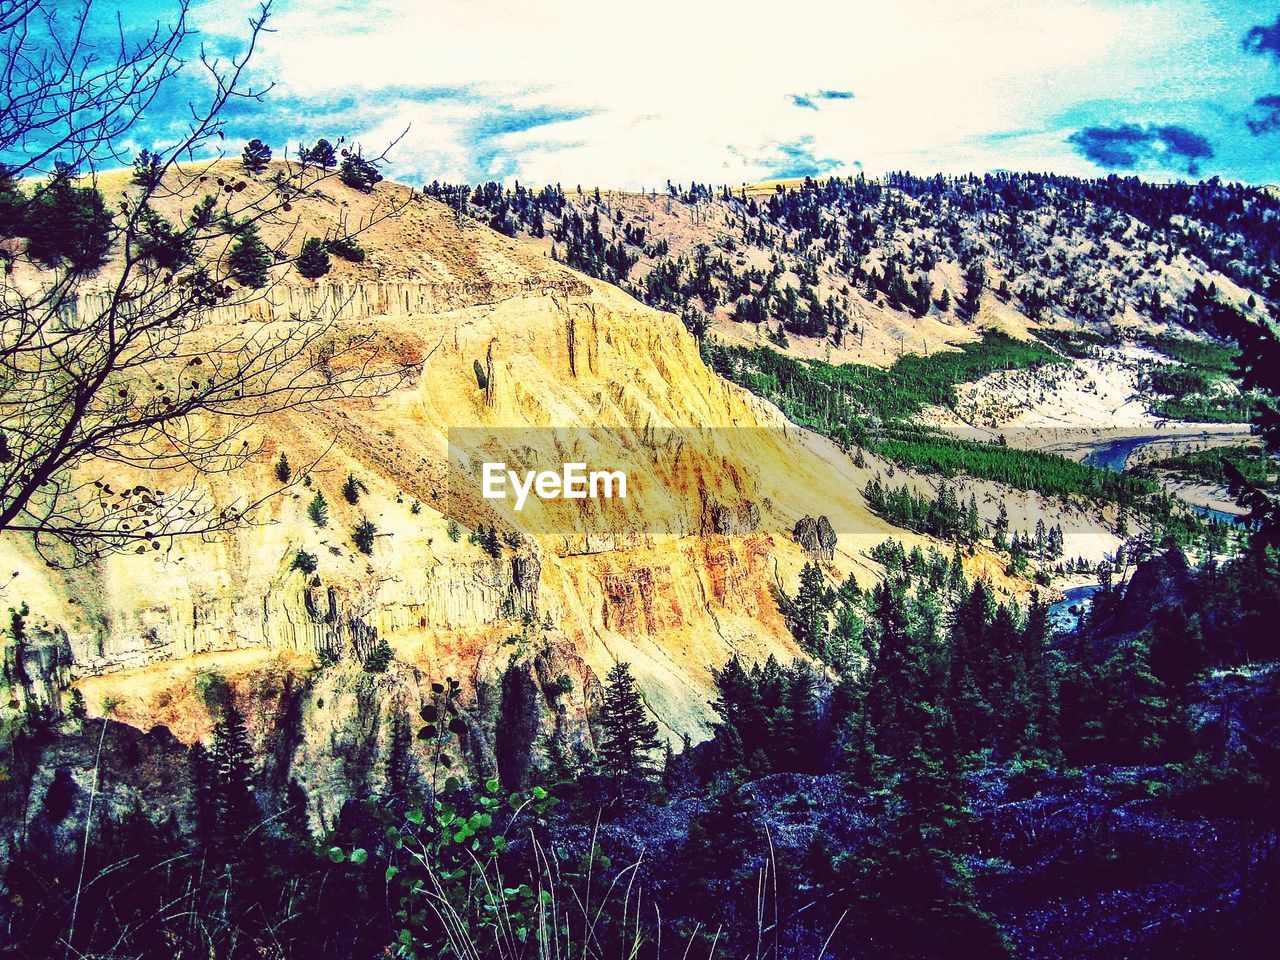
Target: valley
(993, 520)
(543, 482)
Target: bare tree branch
(128, 365)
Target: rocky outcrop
(816, 537)
(37, 668)
(363, 299)
(532, 621)
(1161, 583)
(727, 520)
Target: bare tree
(124, 366)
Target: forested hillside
(841, 260)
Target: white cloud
(681, 89)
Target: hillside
(864, 270)
(140, 636)
(804, 512)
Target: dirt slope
(563, 351)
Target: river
(1114, 455)
(1061, 617)
(1111, 455)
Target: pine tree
(313, 260)
(1039, 736)
(283, 471)
(398, 756)
(255, 156)
(233, 800)
(205, 808)
(808, 613)
(380, 657)
(892, 678)
(250, 260)
(490, 542)
(65, 223)
(737, 706)
(911, 894)
(629, 737)
(321, 155)
(363, 534)
(720, 841)
(318, 510)
(351, 489)
(148, 169)
(359, 173)
(1136, 709)
(802, 740)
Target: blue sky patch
(501, 90)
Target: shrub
(359, 173)
(313, 261)
(256, 156)
(250, 259)
(318, 510)
(346, 248)
(304, 561)
(362, 536)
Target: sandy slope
(1072, 409)
(562, 351)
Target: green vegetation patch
(823, 395)
(870, 408)
(1210, 466)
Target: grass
(823, 393)
(1210, 466)
(873, 408)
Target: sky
(632, 95)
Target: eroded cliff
(142, 637)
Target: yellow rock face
(560, 351)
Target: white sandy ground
(1206, 495)
(1073, 409)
